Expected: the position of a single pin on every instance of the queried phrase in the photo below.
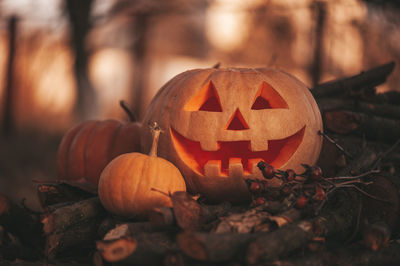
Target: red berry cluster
(303, 190)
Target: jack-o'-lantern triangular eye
(268, 98)
(206, 99)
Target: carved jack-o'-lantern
(219, 123)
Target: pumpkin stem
(128, 111)
(156, 131)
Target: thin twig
(162, 192)
(354, 177)
(335, 143)
(366, 193)
(386, 153)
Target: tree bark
(72, 229)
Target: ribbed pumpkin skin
(236, 89)
(86, 149)
(125, 186)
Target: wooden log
(372, 127)
(336, 221)
(385, 110)
(20, 222)
(187, 213)
(129, 229)
(72, 229)
(257, 219)
(56, 193)
(62, 218)
(116, 250)
(213, 247)
(140, 249)
(74, 242)
(366, 79)
(242, 222)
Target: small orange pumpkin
(88, 147)
(133, 184)
(221, 122)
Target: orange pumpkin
(87, 148)
(133, 184)
(220, 122)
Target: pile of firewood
(355, 226)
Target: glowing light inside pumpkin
(206, 99)
(279, 152)
(237, 122)
(267, 97)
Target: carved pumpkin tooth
(212, 168)
(209, 145)
(235, 167)
(258, 145)
(252, 166)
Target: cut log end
(192, 246)
(117, 250)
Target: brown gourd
(220, 123)
(134, 183)
(88, 147)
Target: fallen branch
(372, 127)
(72, 228)
(369, 78)
(56, 193)
(62, 218)
(386, 110)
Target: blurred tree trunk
(139, 52)
(8, 112)
(79, 13)
(319, 9)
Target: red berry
(319, 194)
(301, 202)
(264, 185)
(259, 201)
(315, 173)
(269, 171)
(286, 190)
(255, 187)
(290, 174)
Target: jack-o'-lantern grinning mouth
(278, 153)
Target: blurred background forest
(65, 61)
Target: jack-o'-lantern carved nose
(236, 122)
